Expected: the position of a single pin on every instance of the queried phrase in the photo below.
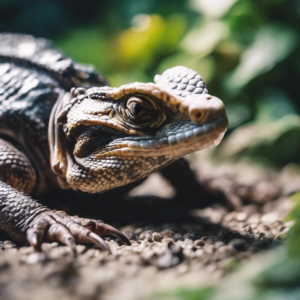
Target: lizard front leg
(24, 219)
(15, 168)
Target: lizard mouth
(185, 140)
(189, 139)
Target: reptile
(63, 126)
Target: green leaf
(272, 44)
(203, 39)
(295, 212)
(279, 141)
(186, 294)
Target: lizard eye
(139, 109)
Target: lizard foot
(57, 226)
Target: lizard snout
(204, 108)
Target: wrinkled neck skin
(57, 143)
(105, 137)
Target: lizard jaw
(191, 139)
(127, 152)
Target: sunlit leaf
(137, 45)
(203, 39)
(237, 113)
(272, 44)
(175, 28)
(87, 45)
(186, 294)
(212, 8)
(276, 141)
(151, 36)
(273, 104)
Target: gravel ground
(163, 256)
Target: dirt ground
(175, 242)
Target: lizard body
(94, 138)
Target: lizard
(63, 126)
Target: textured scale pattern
(15, 168)
(41, 54)
(26, 99)
(16, 208)
(183, 81)
(111, 170)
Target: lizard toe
(100, 228)
(81, 234)
(57, 226)
(35, 234)
(59, 233)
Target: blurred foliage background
(246, 51)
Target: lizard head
(107, 137)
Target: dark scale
(29, 87)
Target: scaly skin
(99, 137)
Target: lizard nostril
(198, 115)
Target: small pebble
(80, 249)
(148, 236)
(207, 239)
(192, 236)
(186, 236)
(219, 244)
(34, 258)
(241, 217)
(188, 242)
(248, 228)
(8, 244)
(238, 244)
(208, 248)
(156, 237)
(264, 227)
(270, 235)
(227, 250)
(167, 234)
(168, 240)
(178, 237)
(199, 243)
(26, 250)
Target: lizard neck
(59, 153)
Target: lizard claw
(33, 238)
(100, 228)
(97, 240)
(57, 226)
(35, 234)
(104, 229)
